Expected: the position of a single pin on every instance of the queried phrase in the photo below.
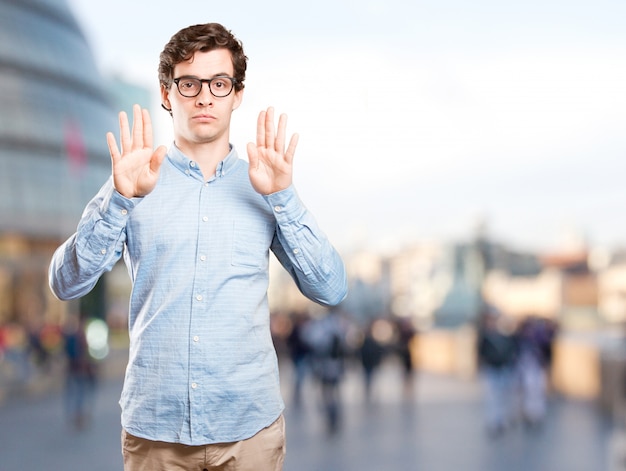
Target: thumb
(157, 158)
(253, 156)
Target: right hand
(136, 168)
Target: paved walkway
(439, 429)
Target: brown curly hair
(204, 37)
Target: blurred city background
(466, 161)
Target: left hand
(271, 167)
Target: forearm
(96, 246)
(305, 251)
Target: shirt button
(199, 297)
(203, 258)
(193, 164)
(194, 385)
(103, 251)
(196, 338)
(296, 251)
(205, 218)
(124, 212)
(278, 209)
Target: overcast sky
(418, 119)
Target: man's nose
(205, 97)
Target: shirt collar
(189, 167)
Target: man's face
(204, 118)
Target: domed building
(53, 154)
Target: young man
(195, 225)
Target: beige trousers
(265, 451)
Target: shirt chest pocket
(251, 244)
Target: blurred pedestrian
(3, 342)
(407, 335)
(80, 379)
(371, 355)
(497, 355)
(195, 225)
(330, 349)
(39, 355)
(536, 336)
(300, 353)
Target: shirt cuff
(116, 208)
(286, 204)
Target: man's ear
(238, 99)
(165, 99)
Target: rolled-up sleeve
(94, 248)
(305, 251)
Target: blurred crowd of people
(514, 359)
(26, 350)
(322, 348)
(51, 351)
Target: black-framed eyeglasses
(191, 86)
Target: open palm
(271, 167)
(136, 167)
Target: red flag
(75, 147)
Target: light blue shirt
(202, 367)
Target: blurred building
(565, 290)
(53, 155)
(612, 290)
(125, 94)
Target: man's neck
(207, 155)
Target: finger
(291, 149)
(124, 132)
(253, 157)
(137, 142)
(269, 128)
(157, 158)
(279, 144)
(147, 128)
(113, 149)
(260, 130)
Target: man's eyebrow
(220, 74)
